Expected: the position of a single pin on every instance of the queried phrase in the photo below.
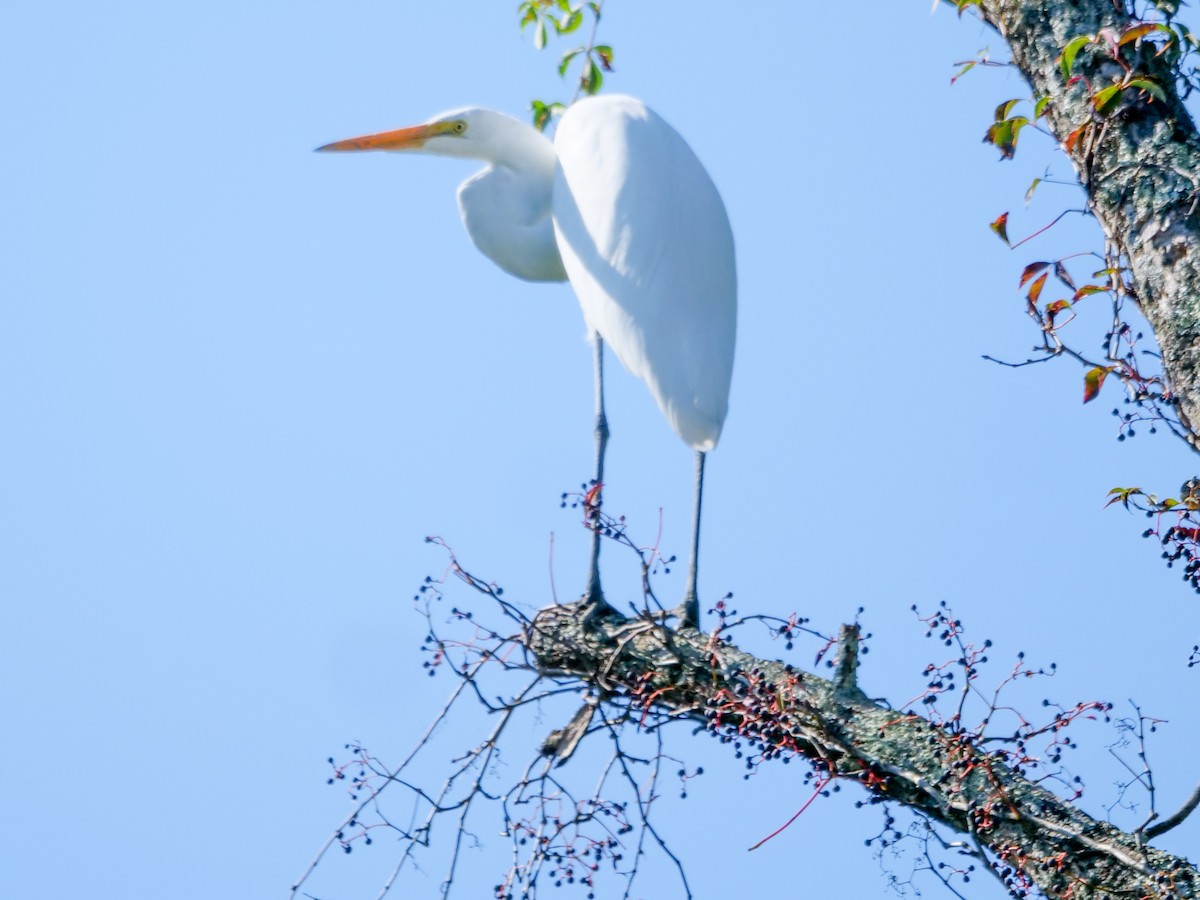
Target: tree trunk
(1138, 164)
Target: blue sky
(242, 381)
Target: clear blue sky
(240, 382)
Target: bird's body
(620, 206)
(652, 262)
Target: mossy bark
(1139, 164)
(1033, 836)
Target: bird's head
(471, 132)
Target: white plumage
(647, 247)
(619, 205)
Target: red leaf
(1122, 495)
(1092, 382)
(1031, 270)
(1136, 32)
(1053, 309)
(1035, 290)
(1110, 36)
(1089, 289)
(1000, 226)
(1060, 272)
(967, 67)
(1073, 138)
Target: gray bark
(1139, 166)
(948, 776)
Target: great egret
(620, 206)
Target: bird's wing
(647, 247)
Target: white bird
(620, 206)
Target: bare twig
(1189, 806)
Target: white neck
(506, 208)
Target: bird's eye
(460, 127)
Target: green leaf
(595, 8)
(1067, 60)
(596, 77)
(539, 36)
(565, 62)
(569, 22)
(606, 56)
(543, 113)
(1000, 226)
(1000, 134)
(1150, 87)
(1040, 107)
(1106, 98)
(1032, 188)
(1004, 109)
(967, 67)
(1004, 135)
(1092, 382)
(592, 79)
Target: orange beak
(401, 139)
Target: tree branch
(1170, 822)
(939, 771)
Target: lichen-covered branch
(1137, 156)
(1032, 836)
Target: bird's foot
(688, 612)
(596, 607)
